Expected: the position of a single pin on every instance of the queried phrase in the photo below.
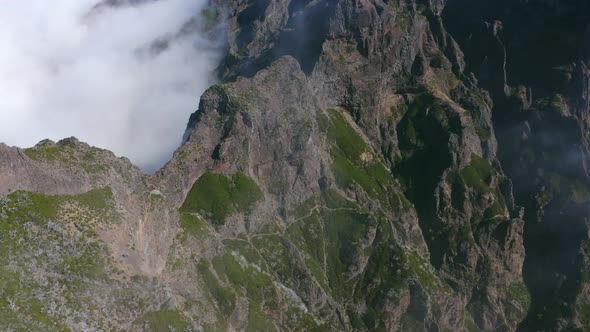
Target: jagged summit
(69, 142)
(365, 165)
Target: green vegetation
(477, 175)
(558, 102)
(409, 135)
(421, 125)
(219, 326)
(47, 150)
(193, 226)
(398, 111)
(218, 196)
(223, 297)
(347, 174)
(422, 270)
(385, 277)
(331, 199)
(48, 153)
(258, 321)
(583, 314)
(42, 261)
(353, 161)
(246, 250)
(162, 321)
(470, 325)
(484, 134)
(322, 246)
(459, 234)
(90, 161)
(251, 276)
(343, 135)
(255, 283)
(211, 195)
(61, 152)
(277, 254)
(403, 20)
(343, 230)
(519, 292)
(252, 268)
(566, 187)
(100, 201)
(245, 192)
(307, 235)
(306, 207)
(256, 286)
(498, 208)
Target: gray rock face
(366, 165)
(68, 167)
(384, 64)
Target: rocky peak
(364, 165)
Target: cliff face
(532, 57)
(400, 76)
(394, 165)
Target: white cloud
(67, 70)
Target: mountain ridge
(353, 179)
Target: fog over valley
(116, 74)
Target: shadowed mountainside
(366, 165)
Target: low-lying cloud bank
(118, 74)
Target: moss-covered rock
(477, 175)
(163, 321)
(354, 162)
(217, 196)
(50, 254)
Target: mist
(119, 74)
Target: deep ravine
(364, 165)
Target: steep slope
(533, 59)
(350, 174)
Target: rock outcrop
(364, 165)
